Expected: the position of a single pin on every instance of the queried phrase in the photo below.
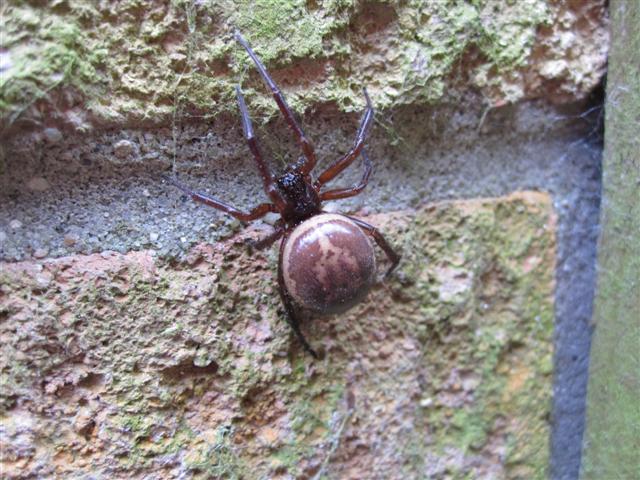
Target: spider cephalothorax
(301, 199)
(327, 262)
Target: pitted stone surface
(122, 364)
(180, 59)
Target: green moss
(219, 459)
(314, 403)
(139, 426)
(290, 456)
(471, 429)
(486, 342)
(612, 440)
(149, 62)
(44, 51)
(182, 374)
(280, 27)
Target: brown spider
(327, 262)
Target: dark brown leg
(382, 243)
(339, 165)
(257, 212)
(355, 189)
(268, 240)
(305, 143)
(290, 313)
(267, 178)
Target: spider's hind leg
(290, 311)
(295, 326)
(267, 241)
(374, 233)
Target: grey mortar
(103, 191)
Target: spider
(327, 262)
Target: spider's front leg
(353, 190)
(267, 177)
(257, 212)
(339, 165)
(305, 143)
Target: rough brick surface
(81, 63)
(117, 365)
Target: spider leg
(339, 165)
(267, 241)
(381, 241)
(257, 212)
(305, 143)
(290, 312)
(353, 190)
(267, 177)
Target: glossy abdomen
(328, 264)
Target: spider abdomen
(328, 264)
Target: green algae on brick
(83, 62)
(611, 445)
(189, 365)
(43, 51)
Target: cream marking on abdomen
(325, 261)
(330, 257)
